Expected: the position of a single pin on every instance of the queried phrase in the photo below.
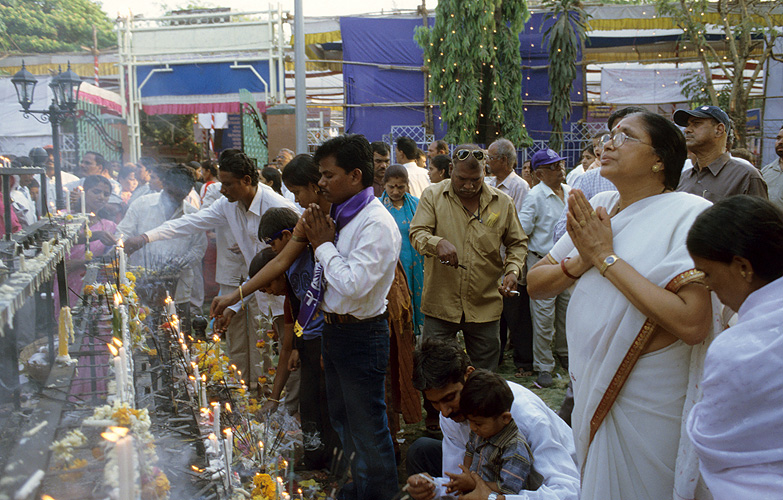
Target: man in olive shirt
(715, 174)
(773, 173)
(459, 227)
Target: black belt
(537, 254)
(332, 318)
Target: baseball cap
(681, 115)
(544, 157)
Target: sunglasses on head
(277, 235)
(463, 154)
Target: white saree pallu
(633, 415)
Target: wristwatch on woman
(492, 496)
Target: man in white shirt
(244, 202)
(502, 161)
(93, 164)
(540, 211)
(356, 256)
(406, 154)
(143, 174)
(155, 209)
(440, 368)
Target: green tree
(169, 131)
(472, 55)
(53, 26)
(750, 28)
(563, 37)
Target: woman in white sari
(736, 426)
(638, 319)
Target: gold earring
(657, 168)
(743, 274)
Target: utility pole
(429, 122)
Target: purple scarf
(342, 214)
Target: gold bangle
(241, 298)
(298, 238)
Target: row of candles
(67, 196)
(123, 373)
(218, 439)
(119, 348)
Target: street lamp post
(65, 87)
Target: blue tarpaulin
(389, 41)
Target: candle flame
(117, 299)
(114, 434)
(196, 469)
(213, 404)
(216, 338)
(203, 377)
(260, 445)
(117, 341)
(46, 497)
(119, 243)
(280, 480)
(113, 350)
(212, 436)
(191, 377)
(228, 407)
(167, 301)
(227, 431)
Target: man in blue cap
(540, 210)
(715, 174)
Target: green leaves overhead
(472, 52)
(52, 25)
(564, 39)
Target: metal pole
(54, 119)
(7, 207)
(300, 73)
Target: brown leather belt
(332, 318)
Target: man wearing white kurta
(418, 179)
(440, 370)
(245, 201)
(152, 211)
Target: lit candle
(123, 263)
(67, 201)
(118, 379)
(45, 248)
(279, 488)
(216, 418)
(229, 443)
(124, 365)
(81, 197)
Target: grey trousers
(549, 322)
(482, 340)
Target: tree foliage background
(563, 37)
(472, 52)
(52, 25)
(750, 28)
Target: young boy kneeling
(496, 450)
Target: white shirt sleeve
(203, 220)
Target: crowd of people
(651, 274)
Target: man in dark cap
(715, 174)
